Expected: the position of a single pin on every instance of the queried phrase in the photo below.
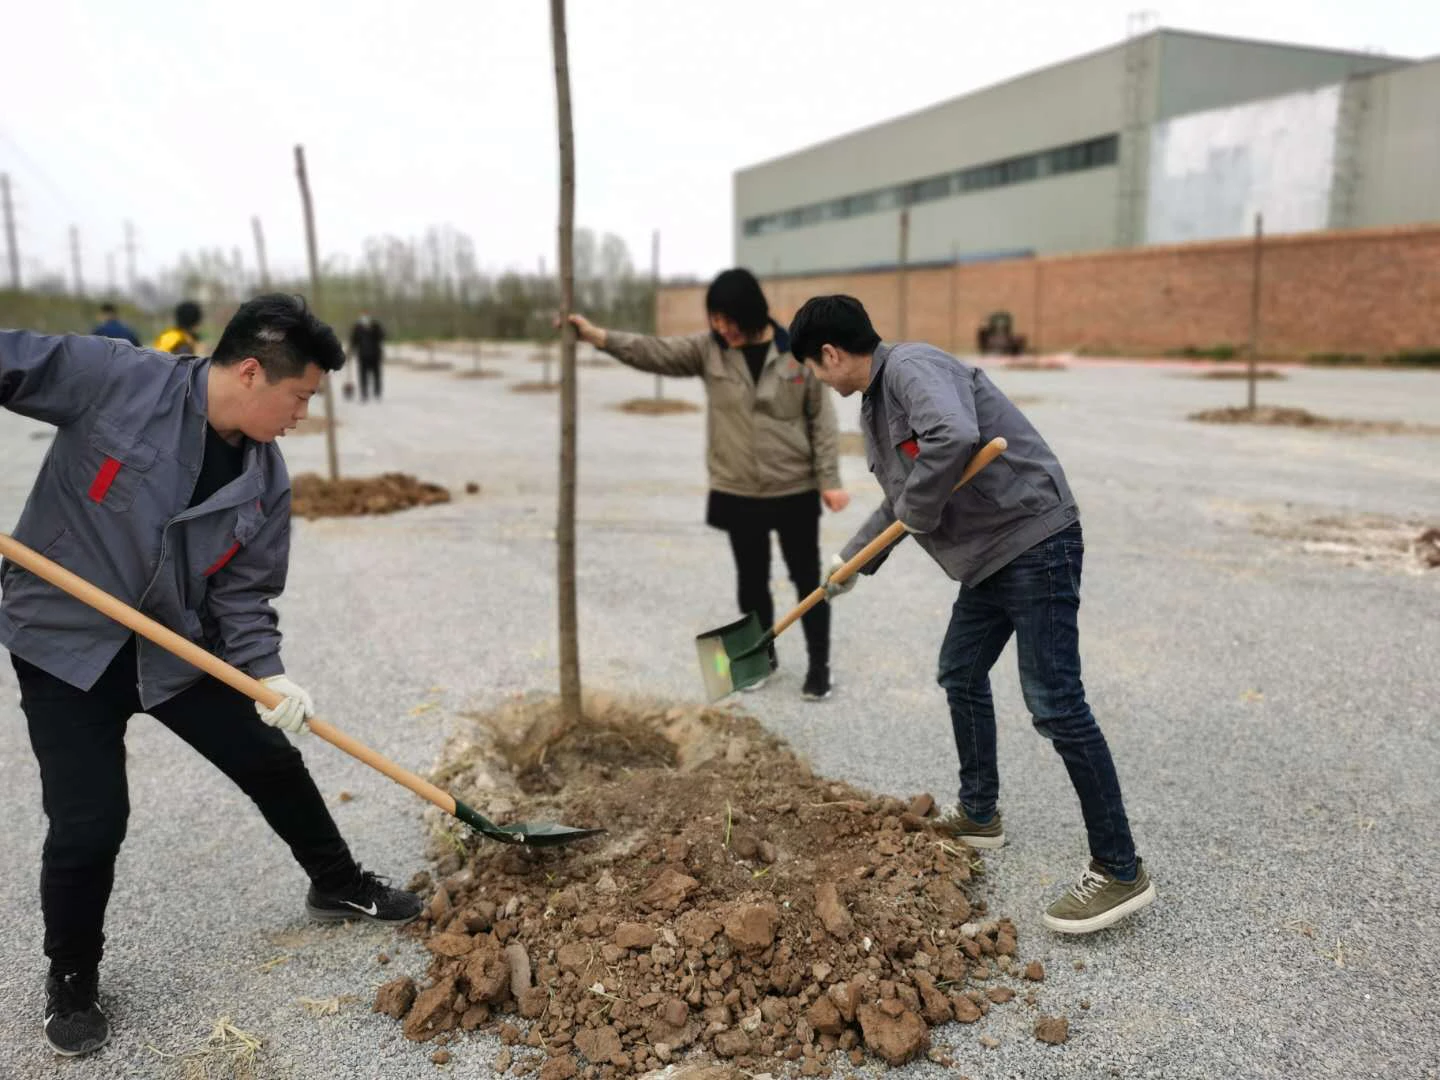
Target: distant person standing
(110, 326)
(182, 338)
(367, 341)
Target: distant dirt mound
(314, 496)
(657, 406)
(1278, 416)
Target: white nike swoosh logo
(371, 910)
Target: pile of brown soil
(1225, 374)
(1274, 415)
(314, 496)
(535, 388)
(657, 406)
(478, 373)
(738, 906)
(1039, 364)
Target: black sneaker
(370, 897)
(817, 683)
(74, 1024)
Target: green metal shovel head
(529, 833)
(733, 657)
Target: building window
(1075, 157)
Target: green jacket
(777, 437)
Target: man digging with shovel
(1012, 536)
(165, 488)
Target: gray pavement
(1271, 710)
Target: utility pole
(260, 252)
(330, 419)
(1254, 312)
(655, 290)
(75, 260)
(10, 245)
(130, 258)
(110, 273)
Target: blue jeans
(1036, 597)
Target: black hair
(832, 320)
(281, 332)
(188, 315)
(108, 308)
(737, 295)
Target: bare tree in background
(565, 528)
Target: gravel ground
(1270, 708)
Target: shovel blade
(541, 834)
(529, 833)
(728, 657)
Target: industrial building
(1166, 137)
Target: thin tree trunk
(331, 451)
(565, 528)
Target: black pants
(79, 740)
(800, 546)
(369, 377)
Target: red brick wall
(1371, 291)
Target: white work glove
(290, 715)
(839, 588)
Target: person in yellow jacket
(182, 339)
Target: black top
(755, 358)
(222, 464)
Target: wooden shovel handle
(192, 654)
(986, 454)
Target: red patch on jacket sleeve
(910, 448)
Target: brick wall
(1372, 291)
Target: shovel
(734, 656)
(531, 834)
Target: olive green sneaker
(1098, 900)
(958, 825)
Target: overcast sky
(182, 116)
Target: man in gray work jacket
(163, 487)
(1012, 537)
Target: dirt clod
(1035, 971)
(395, 997)
(441, 1057)
(1427, 548)
(832, 912)
(314, 496)
(1052, 1029)
(896, 1038)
